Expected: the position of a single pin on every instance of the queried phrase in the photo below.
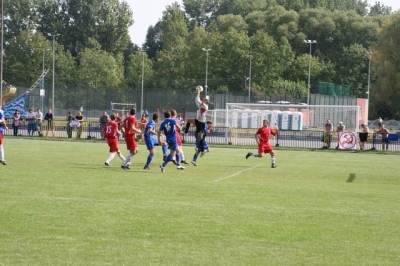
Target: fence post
(277, 138)
(373, 141)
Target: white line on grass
(234, 174)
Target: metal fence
(220, 136)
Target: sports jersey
(169, 130)
(201, 114)
(2, 124)
(264, 134)
(111, 131)
(148, 131)
(128, 123)
(143, 122)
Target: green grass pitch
(60, 206)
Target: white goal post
(290, 116)
(122, 107)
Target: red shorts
(131, 143)
(265, 148)
(113, 144)
(1, 138)
(178, 139)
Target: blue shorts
(172, 145)
(201, 145)
(150, 142)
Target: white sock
(2, 158)
(273, 158)
(111, 157)
(182, 156)
(127, 160)
(121, 157)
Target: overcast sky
(148, 12)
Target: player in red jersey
(262, 138)
(112, 134)
(130, 131)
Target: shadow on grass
(351, 178)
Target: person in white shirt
(39, 120)
(202, 108)
(31, 119)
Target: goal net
(289, 116)
(122, 107)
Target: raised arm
(198, 100)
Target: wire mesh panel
(290, 117)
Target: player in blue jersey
(168, 127)
(150, 139)
(3, 128)
(201, 143)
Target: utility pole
(250, 58)
(141, 97)
(369, 54)
(207, 50)
(310, 42)
(54, 64)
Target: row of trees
(97, 61)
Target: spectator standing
(327, 137)
(363, 135)
(39, 120)
(385, 137)
(50, 122)
(339, 130)
(31, 118)
(69, 119)
(16, 122)
(79, 124)
(103, 120)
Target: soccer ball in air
(199, 88)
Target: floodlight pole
(2, 53)
(369, 77)
(250, 58)
(207, 50)
(310, 42)
(54, 63)
(142, 94)
(43, 68)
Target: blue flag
(16, 104)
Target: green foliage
(100, 76)
(360, 6)
(386, 92)
(288, 88)
(352, 69)
(133, 75)
(378, 9)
